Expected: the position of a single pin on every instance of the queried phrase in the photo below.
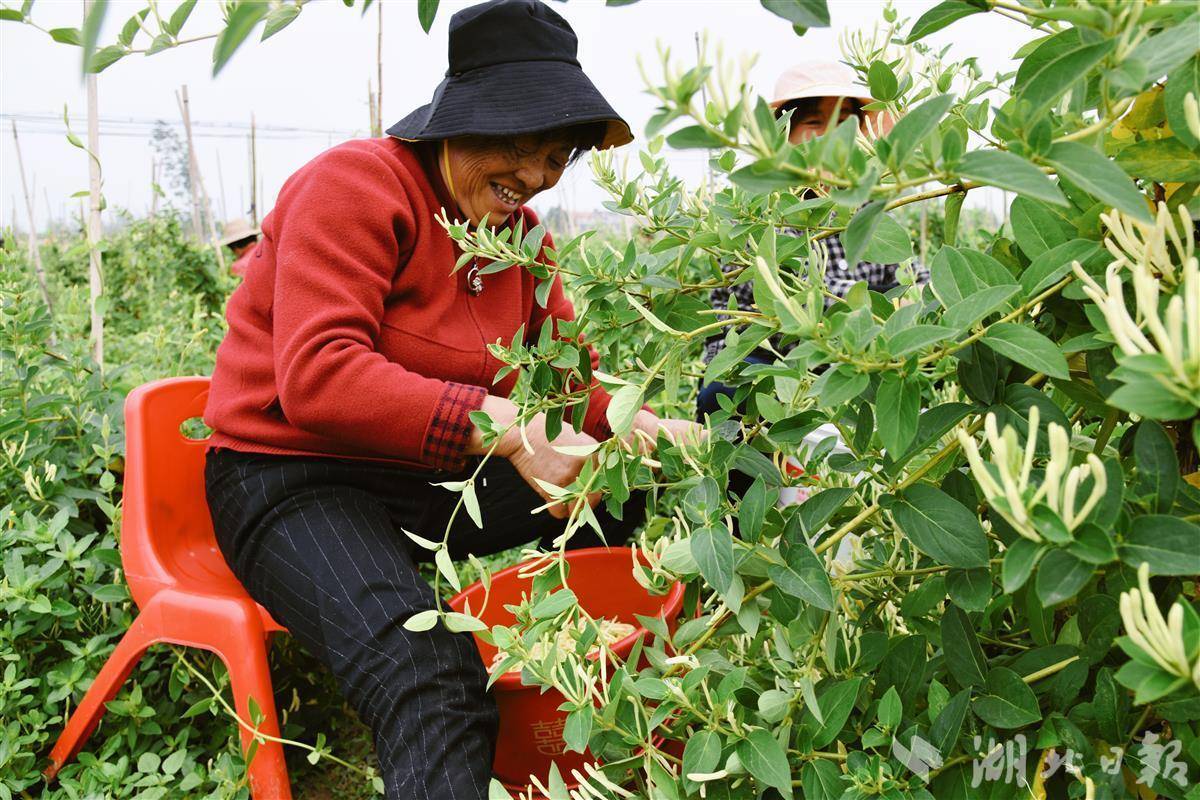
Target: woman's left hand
(679, 431)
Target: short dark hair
(804, 106)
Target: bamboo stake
(199, 195)
(253, 174)
(374, 121)
(94, 229)
(153, 188)
(35, 255)
(379, 72)
(193, 179)
(221, 187)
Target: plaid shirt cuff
(450, 427)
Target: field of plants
(991, 589)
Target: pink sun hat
(818, 79)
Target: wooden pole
(35, 255)
(253, 174)
(199, 196)
(181, 97)
(221, 186)
(94, 229)
(153, 188)
(379, 72)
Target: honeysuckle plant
(1007, 455)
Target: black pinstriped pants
(317, 542)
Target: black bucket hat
(513, 70)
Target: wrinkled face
(811, 122)
(495, 177)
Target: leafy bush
(64, 603)
(1002, 454)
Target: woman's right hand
(544, 462)
(548, 464)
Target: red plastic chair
(179, 579)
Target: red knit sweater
(351, 336)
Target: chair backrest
(167, 533)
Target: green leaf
(1098, 176)
(821, 780)
(421, 621)
(1181, 82)
(91, 33)
(712, 547)
(1171, 546)
(941, 527)
(577, 729)
(804, 576)
(764, 757)
(1008, 703)
(971, 309)
(105, 57)
(1158, 466)
(860, 231)
(67, 35)
(693, 136)
(625, 404)
(11, 15)
(898, 404)
(471, 504)
(463, 623)
(1164, 160)
(818, 508)
(1009, 171)
(960, 647)
(279, 19)
(837, 703)
(1019, 560)
(1057, 74)
(890, 709)
(445, 566)
(1060, 577)
(805, 13)
(970, 589)
(242, 20)
(553, 604)
(702, 752)
(916, 338)
(1164, 52)
(948, 723)
(753, 510)
(178, 17)
(1028, 348)
(426, 13)
(1037, 227)
(940, 16)
(890, 243)
(882, 81)
(1152, 400)
(1051, 265)
(912, 128)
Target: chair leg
(104, 688)
(245, 655)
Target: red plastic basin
(531, 725)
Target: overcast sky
(313, 76)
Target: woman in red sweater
(354, 356)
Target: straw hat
(236, 230)
(818, 79)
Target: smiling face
(811, 116)
(495, 177)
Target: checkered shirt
(450, 427)
(839, 278)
